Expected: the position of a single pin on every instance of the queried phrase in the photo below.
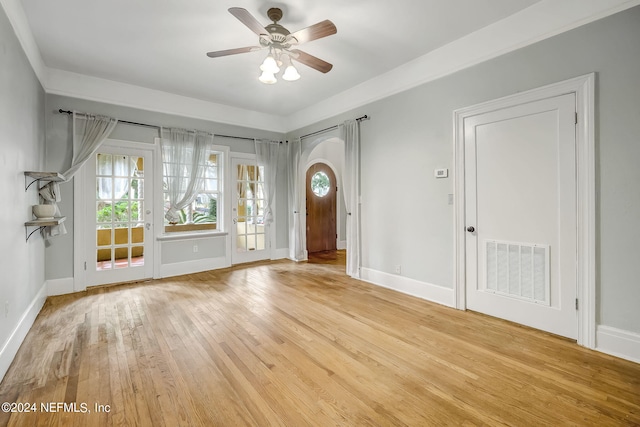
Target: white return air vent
(519, 270)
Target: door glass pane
(104, 165)
(103, 237)
(104, 259)
(122, 257)
(137, 256)
(260, 241)
(241, 243)
(121, 234)
(119, 211)
(137, 235)
(104, 213)
(104, 188)
(136, 190)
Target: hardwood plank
(283, 343)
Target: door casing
(80, 214)
(584, 89)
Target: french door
(521, 214)
(250, 235)
(119, 230)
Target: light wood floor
(288, 344)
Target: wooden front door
(321, 208)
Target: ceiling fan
(281, 44)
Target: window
(320, 184)
(203, 212)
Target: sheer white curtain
(350, 132)
(184, 157)
(296, 251)
(267, 153)
(123, 166)
(89, 132)
(50, 193)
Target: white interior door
(249, 241)
(119, 245)
(520, 199)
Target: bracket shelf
(41, 224)
(41, 176)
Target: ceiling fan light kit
(290, 74)
(281, 45)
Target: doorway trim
(306, 149)
(80, 219)
(584, 89)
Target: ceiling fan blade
(247, 19)
(227, 52)
(311, 61)
(316, 31)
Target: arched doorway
(321, 198)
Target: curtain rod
(61, 111)
(359, 119)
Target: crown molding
(18, 20)
(537, 22)
(75, 85)
(540, 21)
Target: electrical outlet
(397, 269)
(195, 248)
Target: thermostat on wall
(441, 173)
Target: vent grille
(518, 270)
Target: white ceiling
(162, 44)
(151, 54)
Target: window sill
(191, 235)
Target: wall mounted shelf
(41, 176)
(41, 224)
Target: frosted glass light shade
(270, 65)
(267, 78)
(290, 74)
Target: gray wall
(405, 216)
(59, 254)
(21, 149)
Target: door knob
(471, 229)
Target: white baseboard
(10, 347)
(409, 286)
(341, 245)
(280, 253)
(618, 342)
(195, 266)
(60, 286)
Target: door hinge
(576, 118)
(576, 303)
(85, 266)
